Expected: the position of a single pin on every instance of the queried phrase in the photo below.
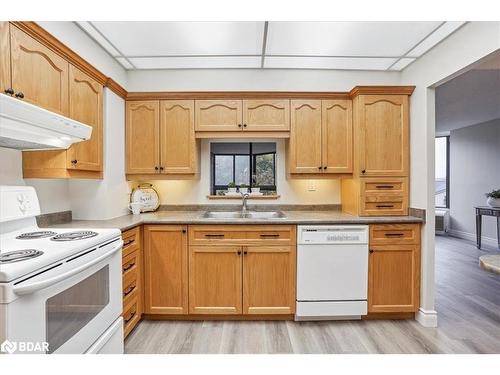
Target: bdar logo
(8, 347)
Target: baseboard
(472, 237)
(427, 318)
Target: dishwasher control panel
(331, 234)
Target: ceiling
(379, 46)
(471, 98)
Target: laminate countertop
(195, 217)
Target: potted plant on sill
(493, 198)
(243, 189)
(231, 188)
(255, 189)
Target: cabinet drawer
(130, 264)
(384, 205)
(131, 316)
(131, 240)
(384, 185)
(390, 234)
(241, 235)
(130, 286)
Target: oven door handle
(33, 287)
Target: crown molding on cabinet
(44, 37)
(166, 95)
(381, 90)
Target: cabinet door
(269, 280)
(177, 142)
(393, 278)
(165, 269)
(85, 105)
(215, 279)
(304, 154)
(218, 115)
(40, 74)
(336, 121)
(142, 135)
(5, 82)
(266, 115)
(383, 139)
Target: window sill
(239, 198)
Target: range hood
(24, 126)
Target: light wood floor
(467, 301)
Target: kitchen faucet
(244, 197)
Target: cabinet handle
(363, 171)
(245, 252)
(128, 291)
(128, 266)
(19, 95)
(74, 161)
(264, 235)
(384, 186)
(214, 235)
(239, 125)
(161, 168)
(183, 231)
(239, 252)
(325, 168)
(394, 234)
(127, 243)
(320, 167)
(244, 125)
(156, 168)
(132, 314)
(384, 206)
(9, 91)
(371, 250)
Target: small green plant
(495, 194)
(243, 186)
(231, 185)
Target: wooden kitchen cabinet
(38, 74)
(82, 159)
(142, 137)
(320, 137)
(165, 269)
(266, 115)
(5, 81)
(304, 148)
(85, 105)
(382, 123)
(177, 141)
(269, 279)
(215, 279)
(218, 115)
(394, 268)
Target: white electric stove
(60, 289)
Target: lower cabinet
(394, 268)
(165, 269)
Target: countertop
(194, 217)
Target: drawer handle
(129, 290)
(128, 266)
(127, 242)
(214, 235)
(384, 206)
(394, 234)
(269, 235)
(384, 186)
(132, 314)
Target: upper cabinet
(85, 105)
(39, 76)
(5, 82)
(266, 115)
(160, 139)
(320, 137)
(383, 135)
(218, 115)
(142, 137)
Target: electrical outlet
(311, 186)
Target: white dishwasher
(332, 272)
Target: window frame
(447, 204)
(252, 167)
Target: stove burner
(35, 235)
(70, 236)
(19, 255)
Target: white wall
(11, 167)
(472, 42)
(291, 191)
(474, 171)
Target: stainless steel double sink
(243, 215)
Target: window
(442, 182)
(250, 164)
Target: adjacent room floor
(467, 301)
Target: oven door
(71, 305)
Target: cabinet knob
(9, 91)
(363, 171)
(244, 125)
(325, 167)
(19, 95)
(371, 250)
(239, 253)
(320, 167)
(156, 168)
(161, 168)
(245, 252)
(183, 231)
(74, 161)
(239, 125)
